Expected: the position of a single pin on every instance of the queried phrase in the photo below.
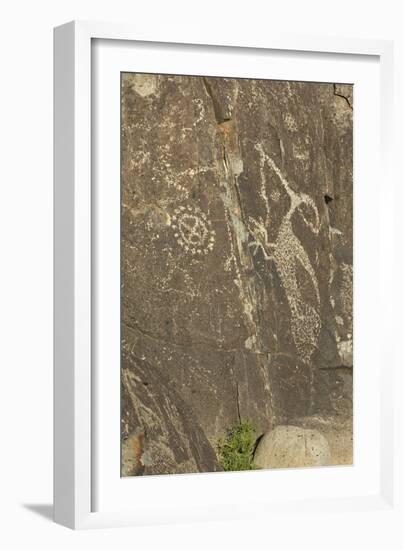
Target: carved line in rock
(241, 258)
(286, 251)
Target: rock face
(160, 433)
(236, 261)
(292, 447)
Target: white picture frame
(79, 422)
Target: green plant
(235, 450)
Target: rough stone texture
(160, 434)
(292, 447)
(236, 260)
(338, 431)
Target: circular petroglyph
(193, 230)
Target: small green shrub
(235, 450)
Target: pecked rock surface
(236, 261)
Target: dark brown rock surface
(160, 432)
(236, 260)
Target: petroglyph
(201, 111)
(192, 230)
(290, 123)
(145, 84)
(346, 293)
(236, 233)
(286, 252)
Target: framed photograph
(221, 220)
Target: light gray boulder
(292, 447)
